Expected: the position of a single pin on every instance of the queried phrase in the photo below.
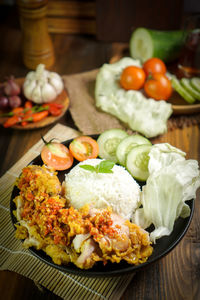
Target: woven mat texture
(14, 258)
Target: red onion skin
(11, 88)
(4, 103)
(14, 101)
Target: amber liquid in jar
(189, 62)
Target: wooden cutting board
(62, 98)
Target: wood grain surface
(116, 19)
(71, 17)
(176, 276)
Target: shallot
(11, 88)
(14, 101)
(4, 103)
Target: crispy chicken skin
(37, 182)
(82, 237)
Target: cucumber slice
(195, 83)
(146, 43)
(137, 162)
(108, 142)
(127, 144)
(182, 91)
(187, 85)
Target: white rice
(118, 189)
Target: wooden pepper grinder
(37, 46)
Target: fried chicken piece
(38, 182)
(85, 259)
(111, 238)
(121, 240)
(78, 240)
(83, 236)
(58, 254)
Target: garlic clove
(30, 75)
(26, 83)
(28, 87)
(42, 82)
(40, 69)
(36, 94)
(54, 75)
(56, 82)
(46, 75)
(48, 93)
(41, 73)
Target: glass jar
(189, 62)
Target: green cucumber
(195, 83)
(108, 142)
(187, 85)
(137, 162)
(182, 91)
(127, 144)
(146, 43)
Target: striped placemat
(14, 258)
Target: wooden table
(176, 276)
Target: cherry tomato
(57, 156)
(159, 87)
(154, 65)
(132, 78)
(84, 147)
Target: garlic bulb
(42, 86)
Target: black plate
(162, 247)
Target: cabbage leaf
(172, 181)
(143, 115)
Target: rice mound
(118, 189)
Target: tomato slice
(57, 156)
(84, 147)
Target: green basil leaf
(88, 168)
(104, 167)
(106, 164)
(97, 169)
(105, 171)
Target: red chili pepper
(28, 104)
(58, 105)
(12, 121)
(36, 117)
(18, 110)
(27, 115)
(54, 109)
(24, 123)
(14, 111)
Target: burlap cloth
(14, 258)
(90, 120)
